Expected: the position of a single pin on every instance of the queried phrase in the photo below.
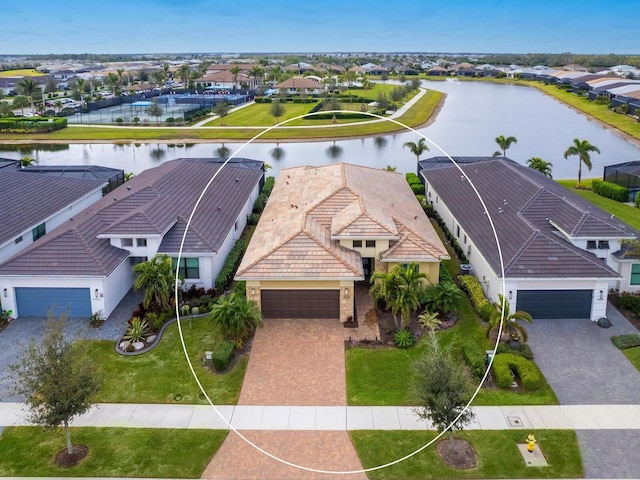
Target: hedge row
(269, 183)
(222, 354)
(474, 358)
(412, 178)
(523, 350)
(471, 285)
(628, 340)
(231, 263)
(431, 213)
(526, 370)
(197, 115)
(286, 99)
(610, 190)
(339, 115)
(31, 125)
(629, 301)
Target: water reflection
(380, 142)
(277, 153)
(223, 152)
(334, 151)
(157, 153)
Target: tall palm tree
(112, 80)
(28, 86)
(417, 148)
(275, 73)
(256, 73)
(236, 316)
(184, 73)
(80, 88)
(504, 144)
(27, 161)
(581, 148)
(510, 327)
(235, 71)
(542, 166)
(157, 278)
(120, 73)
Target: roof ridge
(269, 252)
(591, 258)
(89, 250)
(522, 249)
(418, 236)
(329, 249)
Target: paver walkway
(296, 362)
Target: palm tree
(417, 148)
(400, 290)
(112, 80)
(120, 72)
(275, 73)
(510, 327)
(157, 278)
(504, 144)
(443, 297)
(236, 316)
(27, 161)
(581, 148)
(389, 168)
(256, 73)
(235, 71)
(80, 88)
(542, 166)
(28, 86)
(184, 73)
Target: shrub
(31, 124)
(485, 312)
(412, 178)
(417, 188)
(506, 363)
(404, 338)
(443, 274)
(136, 330)
(522, 351)
(230, 265)
(119, 120)
(471, 285)
(170, 120)
(629, 301)
(239, 287)
(269, 183)
(629, 340)
(329, 116)
(474, 358)
(610, 190)
(636, 200)
(260, 203)
(253, 219)
(222, 354)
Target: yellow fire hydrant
(531, 443)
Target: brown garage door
(301, 303)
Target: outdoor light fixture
(5, 292)
(601, 295)
(253, 292)
(510, 294)
(96, 293)
(346, 292)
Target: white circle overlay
(191, 368)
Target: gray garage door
(300, 303)
(38, 302)
(556, 303)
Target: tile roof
(28, 200)
(312, 208)
(526, 208)
(156, 199)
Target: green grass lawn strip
(498, 455)
(633, 354)
(626, 213)
(162, 374)
(113, 452)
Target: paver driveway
(296, 362)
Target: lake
(474, 114)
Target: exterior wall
(254, 287)
(114, 288)
(432, 269)
(370, 252)
(149, 251)
(11, 248)
(625, 270)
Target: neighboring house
(85, 265)
(438, 71)
(300, 85)
(326, 228)
(113, 177)
(34, 205)
(226, 79)
(557, 248)
(626, 174)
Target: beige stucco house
(326, 228)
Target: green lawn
(113, 452)
(258, 115)
(625, 213)
(498, 455)
(633, 354)
(162, 374)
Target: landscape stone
(138, 346)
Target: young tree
(417, 148)
(20, 102)
(155, 110)
(504, 144)
(582, 149)
(542, 166)
(383, 102)
(157, 278)
(51, 86)
(221, 110)
(57, 378)
(236, 316)
(442, 389)
(277, 110)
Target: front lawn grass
(258, 115)
(626, 213)
(113, 452)
(162, 374)
(633, 354)
(498, 455)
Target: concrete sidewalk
(330, 418)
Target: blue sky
(151, 26)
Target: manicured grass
(113, 452)
(625, 213)
(498, 455)
(258, 115)
(21, 73)
(162, 374)
(633, 354)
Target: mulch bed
(458, 454)
(630, 316)
(388, 328)
(66, 460)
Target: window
(465, 239)
(136, 260)
(19, 239)
(126, 242)
(38, 232)
(357, 244)
(370, 244)
(235, 226)
(141, 242)
(591, 244)
(635, 274)
(189, 267)
(603, 244)
(458, 231)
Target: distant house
(84, 266)
(626, 174)
(113, 177)
(301, 85)
(558, 250)
(438, 71)
(326, 228)
(226, 79)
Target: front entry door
(367, 266)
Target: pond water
(474, 114)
